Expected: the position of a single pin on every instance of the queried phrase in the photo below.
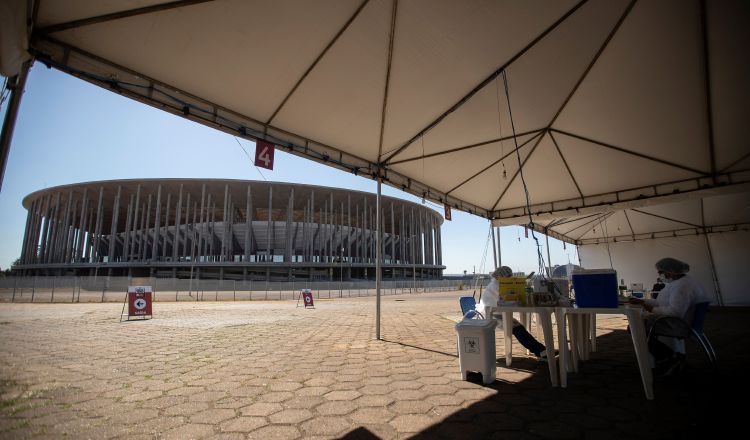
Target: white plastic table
(580, 343)
(545, 319)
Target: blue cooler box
(595, 287)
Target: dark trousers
(659, 350)
(527, 340)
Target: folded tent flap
(595, 287)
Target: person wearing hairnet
(678, 298)
(489, 301)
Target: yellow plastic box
(512, 290)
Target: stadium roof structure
(604, 105)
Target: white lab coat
(676, 299)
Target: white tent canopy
(711, 233)
(611, 101)
(609, 107)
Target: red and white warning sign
(139, 300)
(307, 298)
(264, 154)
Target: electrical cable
(249, 157)
(540, 257)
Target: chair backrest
(468, 303)
(699, 316)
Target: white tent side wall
(634, 261)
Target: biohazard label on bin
(471, 345)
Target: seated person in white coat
(489, 301)
(678, 298)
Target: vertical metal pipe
(16, 85)
(393, 237)
(97, 228)
(365, 253)
(201, 222)
(134, 224)
(89, 237)
(157, 226)
(440, 244)
(177, 227)
(70, 230)
(494, 246)
(356, 233)
(164, 237)
(206, 231)
(349, 226)
(378, 279)
(25, 241)
(230, 246)
(62, 232)
(127, 239)
(499, 249)
(186, 231)
(549, 259)
(248, 224)
(717, 288)
(224, 223)
(55, 230)
(45, 228)
(144, 252)
(311, 223)
(113, 229)
(269, 227)
(289, 214)
(82, 226)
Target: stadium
(225, 229)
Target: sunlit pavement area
(271, 370)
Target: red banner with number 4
(264, 154)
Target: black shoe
(542, 357)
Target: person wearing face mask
(678, 298)
(489, 301)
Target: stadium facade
(225, 229)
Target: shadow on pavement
(605, 399)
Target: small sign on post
(139, 301)
(307, 297)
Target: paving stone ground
(269, 370)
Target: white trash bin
(476, 348)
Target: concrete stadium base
(270, 370)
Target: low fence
(112, 289)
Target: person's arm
(648, 304)
(678, 304)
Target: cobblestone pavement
(268, 370)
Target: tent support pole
(378, 256)
(16, 85)
(715, 278)
(499, 253)
(494, 247)
(549, 258)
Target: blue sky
(69, 131)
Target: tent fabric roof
(687, 217)
(614, 103)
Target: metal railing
(112, 289)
